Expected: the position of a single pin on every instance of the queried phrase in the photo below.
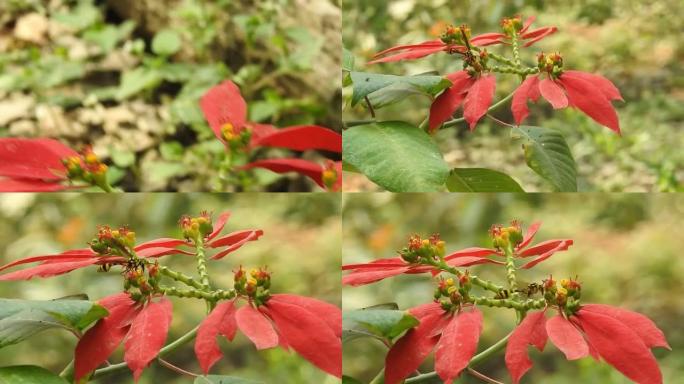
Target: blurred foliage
(636, 44)
(625, 254)
(80, 71)
(301, 246)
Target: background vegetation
(126, 76)
(636, 44)
(627, 253)
(301, 245)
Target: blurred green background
(636, 44)
(126, 77)
(301, 245)
(627, 253)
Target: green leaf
(136, 81)
(347, 60)
(166, 43)
(395, 155)
(217, 379)
(21, 319)
(366, 84)
(480, 180)
(380, 323)
(547, 154)
(28, 374)
(122, 158)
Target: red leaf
(224, 104)
(531, 331)
(163, 242)
(219, 224)
(69, 255)
(235, 241)
(553, 93)
(220, 321)
(302, 138)
(309, 335)
(256, 327)
(647, 330)
(410, 52)
(330, 314)
(527, 23)
(425, 44)
(620, 347)
(519, 103)
(28, 185)
(479, 99)
(33, 158)
(564, 245)
(161, 251)
(458, 344)
(47, 270)
(100, 341)
(588, 98)
(448, 101)
(472, 251)
(537, 34)
(376, 264)
(366, 277)
(468, 261)
(147, 335)
(486, 39)
(567, 338)
(543, 247)
(425, 310)
(604, 85)
(312, 170)
(410, 350)
(531, 231)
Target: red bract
(592, 94)
(620, 337)
(475, 93)
(328, 177)
(311, 327)
(376, 270)
(230, 242)
(455, 335)
(540, 252)
(33, 165)
(531, 37)
(143, 329)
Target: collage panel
(170, 95)
(472, 287)
(169, 287)
(512, 96)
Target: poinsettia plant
(139, 317)
(399, 156)
(43, 165)
(451, 324)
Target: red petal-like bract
(562, 246)
(529, 235)
(522, 93)
(377, 264)
(604, 85)
(471, 252)
(458, 344)
(256, 327)
(487, 39)
(219, 224)
(537, 34)
(410, 350)
(100, 341)
(312, 170)
(147, 335)
(161, 251)
(590, 99)
(309, 335)
(47, 270)
(33, 158)
(543, 247)
(302, 138)
(68, 255)
(478, 100)
(448, 101)
(234, 241)
(220, 320)
(410, 52)
(361, 277)
(567, 338)
(531, 331)
(620, 347)
(553, 93)
(224, 104)
(31, 185)
(329, 313)
(163, 242)
(649, 332)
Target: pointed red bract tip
(221, 321)
(147, 335)
(301, 138)
(478, 100)
(312, 170)
(531, 331)
(223, 104)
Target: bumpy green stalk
(183, 278)
(202, 263)
(209, 296)
(510, 270)
(484, 284)
(517, 71)
(500, 58)
(510, 303)
(516, 49)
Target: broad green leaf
(20, 319)
(395, 155)
(217, 379)
(381, 323)
(480, 180)
(136, 81)
(365, 84)
(28, 374)
(166, 43)
(347, 60)
(547, 154)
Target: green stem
(484, 284)
(181, 277)
(202, 263)
(498, 104)
(68, 371)
(379, 378)
(500, 58)
(521, 306)
(518, 71)
(209, 296)
(510, 270)
(516, 49)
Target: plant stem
(183, 278)
(516, 49)
(164, 351)
(202, 263)
(68, 371)
(379, 378)
(487, 285)
(498, 104)
(509, 303)
(510, 270)
(209, 296)
(500, 58)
